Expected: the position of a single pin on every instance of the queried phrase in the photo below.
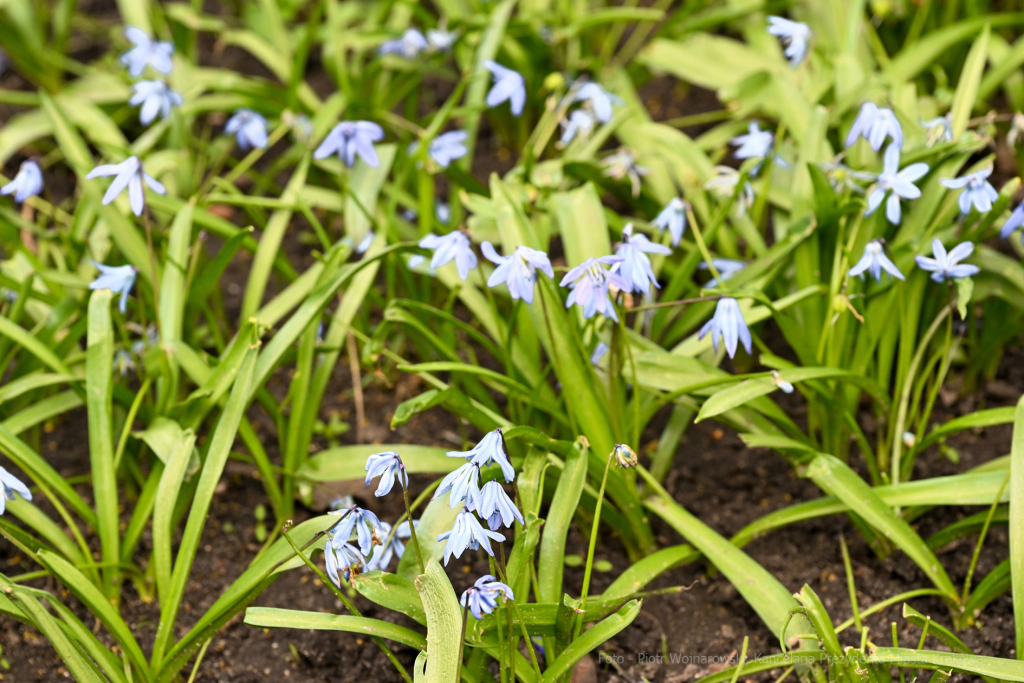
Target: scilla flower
(940, 128)
(598, 99)
(899, 183)
(874, 123)
(116, 279)
(977, 191)
(518, 271)
(755, 144)
(875, 261)
(726, 268)
(410, 44)
(392, 545)
(454, 246)
(508, 85)
(622, 164)
(673, 217)
(461, 485)
(342, 557)
(11, 485)
(1014, 222)
(441, 40)
(600, 351)
(947, 265)
(445, 148)
(127, 174)
(249, 129)
(363, 522)
(580, 121)
(786, 387)
(636, 265)
(389, 467)
(591, 283)
(146, 51)
(28, 182)
(794, 36)
(728, 323)
(496, 507)
(351, 138)
(482, 597)
(624, 456)
(156, 97)
(467, 533)
(491, 449)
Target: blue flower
(146, 51)
(156, 97)
(580, 121)
(28, 182)
(453, 246)
(508, 85)
(874, 123)
(756, 144)
(939, 128)
(496, 507)
(591, 286)
(116, 279)
(491, 449)
(794, 35)
(728, 323)
(341, 556)
(364, 245)
(599, 352)
(410, 44)
(388, 466)
(901, 183)
(129, 173)
(948, 265)
(11, 485)
(249, 129)
(482, 598)
(600, 100)
(467, 533)
(363, 522)
(391, 545)
(636, 265)
(673, 217)
(445, 148)
(441, 40)
(461, 485)
(977, 190)
(875, 260)
(726, 268)
(1015, 221)
(351, 138)
(518, 271)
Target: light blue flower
(794, 35)
(467, 533)
(123, 362)
(453, 246)
(496, 507)
(389, 467)
(482, 597)
(636, 265)
(342, 557)
(755, 144)
(391, 545)
(591, 283)
(508, 85)
(1014, 222)
(875, 261)
(11, 485)
(601, 101)
(977, 190)
(156, 97)
(599, 352)
(673, 217)
(726, 268)
(621, 165)
(724, 183)
(874, 123)
(945, 265)
(127, 174)
(363, 522)
(441, 40)
(146, 51)
(728, 323)
(410, 44)
(27, 182)
(116, 279)
(461, 485)
(491, 449)
(900, 183)
(351, 138)
(580, 121)
(445, 148)
(939, 128)
(364, 245)
(786, 387)
(442, 212)
(249, 129)
(517, 271)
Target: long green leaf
(970, 81)
(272, 617)
(555, 532)
(1017, 524)
(349, 462)
(594, 637)
(996, 667)
(444, 625)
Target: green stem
(593, 544)
(412, 527)
(981, 539)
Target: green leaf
(444, 625)
(556, 525)
(364, 187)
(163, 511)
(349, 462)
(1017, 524)
(649, 568)
(996, 667)
(981, 418)
(970, 80)
(272, 617)
(392, 591)
(437, 518)
(26, 340)
(591, 640)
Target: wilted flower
(467, 533)
(624, 455)
(410, 44)
(636, 265)
(580, 121)
(948, 265)
(363, 522)
(11, 485)
(391, 546)
(726, 268)
(874, 123)
(977, 190)
(755, 144)
(518, 271)
(27, 182)
(146, 51)
(249, 129)
(445, 148)
(453, 246)
(116, 279)
(491, 449)
(591, 283)
(599, 100)
(496, 507)
(786, 387)
(482, 597)
(875, 261)
(794, 36)
(508, 85)
(939, 128)
(341, 556)
(673, 217)
(349, 138)
(900, 183)
(388, 466)
(129, 173)
(622, 164)
(728, 323)
(156, 97)
(461, 485)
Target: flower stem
(462, 641)
(412, 527)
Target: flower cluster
(154, 96)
